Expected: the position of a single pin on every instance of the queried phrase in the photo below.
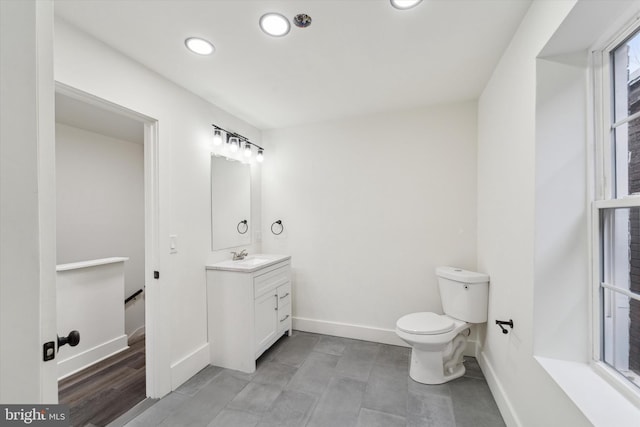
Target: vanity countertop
(251, 263)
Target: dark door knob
(73, 339)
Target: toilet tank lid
(461, 275)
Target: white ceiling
(357, 57)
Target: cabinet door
(266, 320)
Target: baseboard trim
(189, 365)
(136, 333)
(360, 332)
(500, 396)
(345, 330)
(80, 361)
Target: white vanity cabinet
(249, 308)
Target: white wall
(184, 129)
(100, 206)
(561, 299)
(27, 202)
(371, 206)
(506, 207)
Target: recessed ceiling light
(199, 46)
(274, 24)
(404, 4)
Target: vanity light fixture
(405, 4)
(199, 46)
(217, 136)
(235, 141)
(275, 24)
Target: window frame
(603, 198)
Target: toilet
(438, 340)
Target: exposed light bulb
(234, 144)
(260, 156)
(247, 150)
(217, 137)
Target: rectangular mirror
(230, 203)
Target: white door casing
(158, 373)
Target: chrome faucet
(239, 256)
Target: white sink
(250, 263)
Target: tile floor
(317, 380)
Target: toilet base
(427, 367)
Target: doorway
(106, 210)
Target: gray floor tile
(340, 404)
(199, 380)
(370, 418)
(224, 383)
(415, 421)
(473, 404)
(268, 354)
(357, 360)
(387, 390)
(244, 376)
(205, 405)
(472, 368)
(427, 390)
(158, 412)
(397, 372)
(430, 410)
(231, 418)
(314, 374)
(331, 345)
(315, 380)
(393, 355)
(256, 398)
(274, 373)
(291, 409)
(294, 350)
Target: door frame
(153, 349)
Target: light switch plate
(173, 244)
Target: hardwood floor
(108, 389)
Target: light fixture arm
(230, 134)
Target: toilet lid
(425, 323)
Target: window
(617, 213)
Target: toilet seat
(425, 323)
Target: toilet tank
(464, 294)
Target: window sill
(598, 400)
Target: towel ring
(277, 224)
(242, 225)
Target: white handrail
(90, 263)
